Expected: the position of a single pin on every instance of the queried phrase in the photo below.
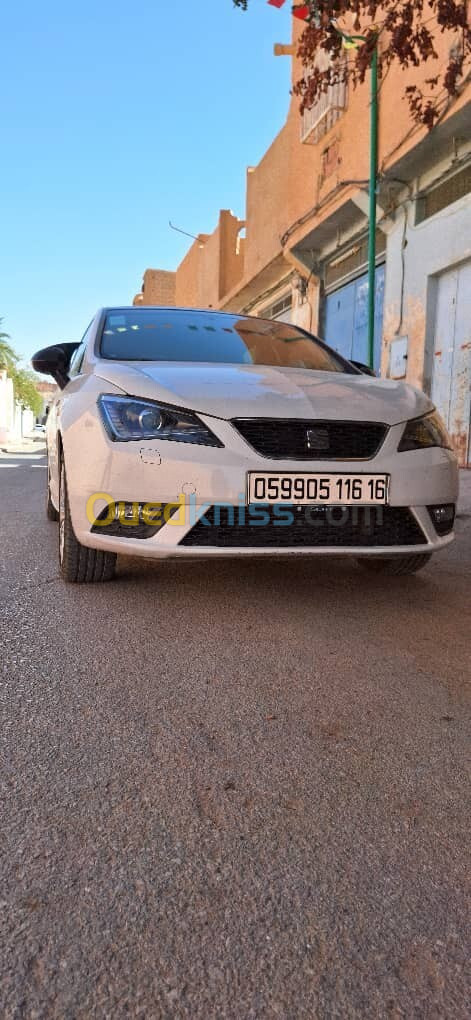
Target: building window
(319, 118)
(444, 194)
(280, 309)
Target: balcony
(318, 120)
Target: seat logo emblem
(317, 439)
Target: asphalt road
(233, 790)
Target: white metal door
(451, 377)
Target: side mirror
(55, 361)
(365, 369)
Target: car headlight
(129, 418)
(428, 430)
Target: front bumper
(163, 472)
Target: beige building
(158, 288)
(300, 253)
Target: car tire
(79, 564)
(51, 513)
(397, 565)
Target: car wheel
(78, 564)
(51, 513)
(396, 565)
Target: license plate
(328, 489)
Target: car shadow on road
(286, 575)
(292, 573)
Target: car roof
(173, 308)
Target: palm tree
(8, 358)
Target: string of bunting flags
(301, 11)
(305, 13)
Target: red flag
(301, 12)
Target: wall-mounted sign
(398, 357)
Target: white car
(37, 432)
(182, 433)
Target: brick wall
(158, 288)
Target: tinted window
(155, 334)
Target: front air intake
(306, 527)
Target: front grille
(287, 439)
(309, 527)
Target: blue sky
(116, 117)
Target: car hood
(259, 391)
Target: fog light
(443, 517)
(134, 520)
(129, 512)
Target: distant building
(158, 288)
(7, 406)
(47, 391)
(15, 421)
(303, 258)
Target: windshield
(158, 334)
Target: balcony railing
(322, 116)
